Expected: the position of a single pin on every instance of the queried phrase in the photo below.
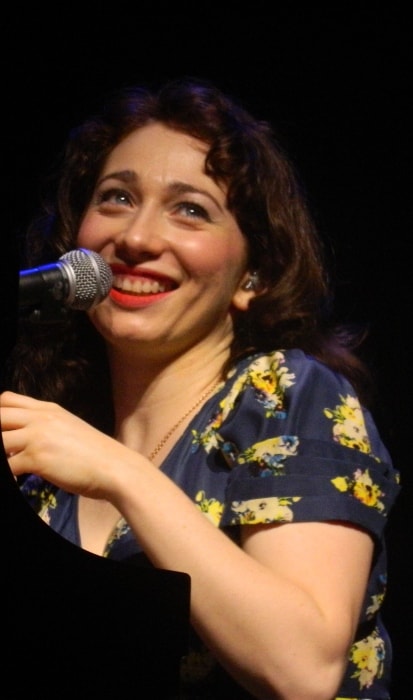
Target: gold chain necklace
(170, 432)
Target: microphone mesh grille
(92, 277)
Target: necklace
(170, 432)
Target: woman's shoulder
(309, 398)
(292, 367)
(286, 384)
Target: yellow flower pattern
(268, 378)
(259, 510)
(120, 529)
(269, 454)
(46, 501)
(210, 506)
(361, 487)
(368, 657)
(349, 428)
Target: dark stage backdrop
(336, 81)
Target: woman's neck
(150, 397)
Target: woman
(206, 416)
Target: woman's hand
(42, 438)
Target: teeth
(126, 284)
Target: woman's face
(178, 256)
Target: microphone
(79, 280)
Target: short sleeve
(300, 447)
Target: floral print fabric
(283, 439)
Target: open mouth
(141, 286)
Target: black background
(335, 80)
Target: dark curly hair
(65, 359)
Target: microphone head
(90, 278)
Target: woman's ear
(248, 289)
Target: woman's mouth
(139, 291)
(141, 286)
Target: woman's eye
(193, 211)
(114, 196)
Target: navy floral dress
(283, 439)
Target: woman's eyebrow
(124, 175)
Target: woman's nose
(144, 232)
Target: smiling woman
(169, 221)
(207, 416)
